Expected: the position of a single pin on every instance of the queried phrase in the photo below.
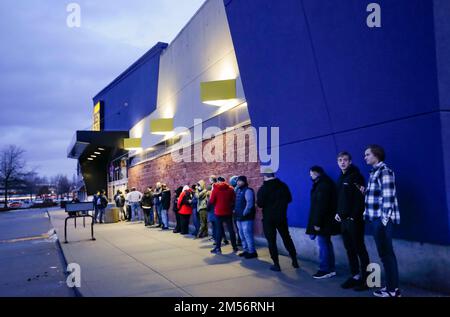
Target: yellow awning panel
(213, 92)
(129, 144)
(161, 126)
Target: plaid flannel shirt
(381, 196)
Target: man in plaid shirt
(382, 212)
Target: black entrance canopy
(94, 150)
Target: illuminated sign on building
(97, 124)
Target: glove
(312, 236)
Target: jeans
(158, 208)
(353, 238)
(136, 211)
(148, 216)
(270, 231)
(383, 239)
(196, 222)
(228, 221)
(326, 254)
(246, 234)
(101, 213)
(165, 218)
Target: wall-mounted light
(97, 153)
(90, 159)
(162, 126)
(93, 156)
(132, 144)
(218, 93)
(101, 149)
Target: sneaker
(275, 268)
(216, 251)
(384, 293)
(243, 254)
(226, 242)
(351, 283)
(295, 263)
(322, 275)
(251, 255)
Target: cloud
(49, 72)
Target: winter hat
(233, 181)
(186, 187)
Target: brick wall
(164, 169)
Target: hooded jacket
(184, 206)
(222, 198)
(350, 203)
(202, 196)
(274, 197)
(323, 208)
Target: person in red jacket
(185, 208)
(223, 199)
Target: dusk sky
(50, 72)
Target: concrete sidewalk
(128, 259)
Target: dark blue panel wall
(132, 96)
(316, 70)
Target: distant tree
(12, 168)
(62, 185)
(43, 190)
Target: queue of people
(336, 208)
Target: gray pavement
(128, 259)
(30, 259)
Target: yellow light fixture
(218, 93)
(132, 144)
(161, 126)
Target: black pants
(270, 231)
(184, 225)
(177, 222)
(220, 232)
(353, 237)
(128, 212)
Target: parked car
(15, 204)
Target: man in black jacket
(321, 224)
(350, 212)
(165, 205)
(273, 197)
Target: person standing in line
(127, 205)
(177, 195)
(321, 222)
(273, 198)
(202, 205)
(383, 213)
(134, 197)
(94, 202)
(157, 203)
(119, 199)
(195, 215)
(211, 215)
(233, 183)
(165, 205)
(350, 210)
(185, 209)
(223, 198)
(102, 203)
(147, 207)
(245, 212)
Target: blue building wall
(137, 87)
(338, 85)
